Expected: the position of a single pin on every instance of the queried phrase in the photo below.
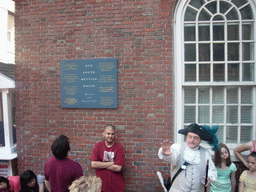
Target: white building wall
(7, 54)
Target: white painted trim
(178, 59)
(6, 82)
(9, 151)
(7, 118)
(8, 5)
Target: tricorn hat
(199, 130)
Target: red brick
(62, 29)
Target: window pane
(233, 51)
(220, 134)
(218, 18)
(204, 72)
(231, 134)
(246, 12)
(218, 31)
(232, 114)
(189, 33)
(2, 140)
(248, 51)
(218, 72)
(204, 52)
(204, 16)
(246, 95)
(197, 3)
(190, 52)
(232, 15)
(190, 95)
(190, 72)
(232, 95)
(217, 95)
(248, 32)
(239, 3)
(190, 14)
(204, 97)
(189, 114)
(218, 114)
(212, 7)
(224, 6)
(246, 134)
(204, 33)
(204, 114)
(248, 72)
(233, 32)
(218, 52)
(246, 114)
(233, 72)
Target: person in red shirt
(108, 159)
(60, 171)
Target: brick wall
(136, 32)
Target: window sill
(7, 153)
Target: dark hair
(5, 180)
(217, 154)
(252, 154)
(60, 147)
(25, 178)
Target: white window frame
(7, 7)
(7, 85)
(179, 71)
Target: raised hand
(165, 145)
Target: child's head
(28, 180)
(252, 161)
(222, 153)
(4, 184)
(86, 184)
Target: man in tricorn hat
(192, 158)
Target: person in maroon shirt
(60, 171)
(108, 159)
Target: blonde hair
(86, 184)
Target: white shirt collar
(192, 156)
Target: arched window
(215, 67)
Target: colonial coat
(191, 179)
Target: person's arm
(41, 187)
(208, 188)
(101, 165)
(165, 145)
(115, 168)
(47, 184)
(212, 171)
(241, 187)
(233, 181)
(238, 150)
(119, 160)
(241, 181)
(174, 153)
(208, 185)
